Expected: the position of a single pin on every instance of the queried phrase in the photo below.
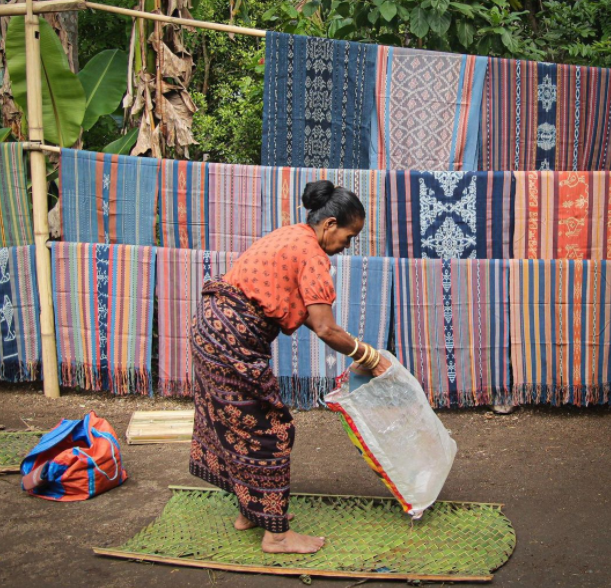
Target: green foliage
(63, 97)
(104, 80)
(5, 134)
(123, 145)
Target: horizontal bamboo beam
(42, 7)
(29, 146)
(61, 5)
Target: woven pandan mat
(14, 447)
(365, 538)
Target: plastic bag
(391, 422)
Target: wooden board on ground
(160, 426)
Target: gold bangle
(372, 358)
(366, 355)
(375, 365)
(356, 347)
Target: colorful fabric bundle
(450, 215)
(306, 368)
(317, 102)
(544, 116)
(183, 207)
(181, 274)
(20, 342)
(452, 328)
(103, 301)
(234, 203)
(427, 110)
(562, 215)
(282, 188)
(15, 218)
(560, 331)
(108, 198)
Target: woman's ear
(330, 222)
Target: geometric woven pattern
(365, 537)
(14, 447)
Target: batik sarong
(282, 189)
(317, 102)
(103, 300)
(181, 274)
(183, 204)
(452, 328)
(450, 215)
(15, 217)
(545, 116)
(562, 215)
(20, 341)
(307, 368)
(427, 110)
(243, 433)
(108, 198)
(560, 331)
(234, 203)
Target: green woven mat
(365, 537)
(14, 447)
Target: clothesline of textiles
(341, 104)
(472, 331)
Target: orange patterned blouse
(285, 272)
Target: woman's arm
(322, 322)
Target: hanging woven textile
(560, 331)
(108, 198)
(20, 343)
(15, 216)
(183, 206)
(450, 215)
(427, 110)
(562, 215)
(282, 188)
(544, 116)
(181, 274)
(317, 102)
(452, 328)
(305, 367)
(103, 300)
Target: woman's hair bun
(317, 194)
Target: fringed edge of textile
(469, 398)
(130, 380)
(304, 393)
(576, 394)
(168, 387)
(20, 371)
(80, 375)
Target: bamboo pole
(59, 5)
(27, 146)
(39, 198)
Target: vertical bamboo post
(39, 198)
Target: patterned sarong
(317, 102)
(181, 273)
(450, 215)
(243, 434)
(20, 343)
(544, 116)
(183, 207)
(108, 198)
(103, 302)
(562, 215)
(560, 331)
(15, 216)
(282, 188)
(427, 110)
(305, 366)
(452, 328)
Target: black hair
(323, 200)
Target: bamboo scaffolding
(39, 202)
(62, 5)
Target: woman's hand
(382, 366)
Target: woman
(243, 433)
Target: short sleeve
(315, 282)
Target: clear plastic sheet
(399, 430)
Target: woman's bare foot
(243, 524)
(291, 542)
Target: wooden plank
(160, 426)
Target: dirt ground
(551, 467)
